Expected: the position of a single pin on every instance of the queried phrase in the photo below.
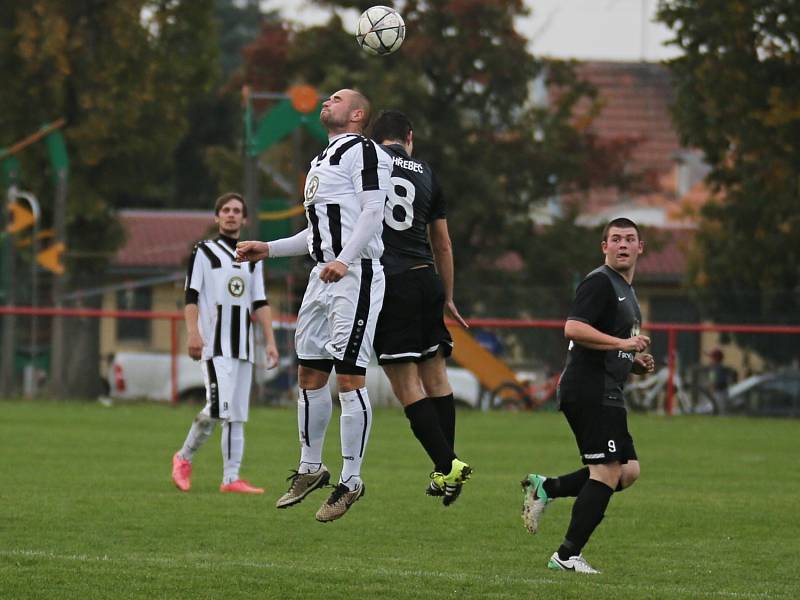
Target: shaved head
(345, 111)
(359, 101)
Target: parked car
(771, 394)
(466, 388)
(147, 375)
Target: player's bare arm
(264, 316)
(251, 251)
(442, 250)
(643, 364)
(585, 335)
(194, 341)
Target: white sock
(314, 408)
(232, 450)
(356, 421)
(199, 432)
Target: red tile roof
(667, 258)
(636, 98)
(161, 238)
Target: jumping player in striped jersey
(411, 339)
(345, 191)
(221, 296)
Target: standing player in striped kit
(221, 294)
(345, 191)
(411, 339)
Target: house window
(140, 298)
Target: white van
(148, 375)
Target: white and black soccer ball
(380, 30)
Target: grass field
(88, 511)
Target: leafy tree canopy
(738, 100)
(122, 74)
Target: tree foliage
(122, 74)
(738, 100)
(467, 81)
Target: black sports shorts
(601, 431)
(411, 324)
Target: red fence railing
(671, 329)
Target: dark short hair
(227, 197)
(391, 125)
(620, 222)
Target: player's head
(230, 213)
(392, 126)
(345, 111)
(624, 222)
(622, 244)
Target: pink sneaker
(240, 486)
(181, 472)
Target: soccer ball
(380, 30)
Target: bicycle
(529, 396)
(649, 395)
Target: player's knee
(205, 422)
(311, 379)
(349, 383)
(630, 474)
(607, 473)
(407, 390)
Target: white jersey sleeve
(297, 245)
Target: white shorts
(227, 388)
(337, 320)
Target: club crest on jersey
(311, 189)
(236, 286)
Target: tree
(738, 100)
(122, 74)
(208, 158)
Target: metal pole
(30, 379)
(9, 320)
(57, 333)
(7, 353)
(34, 303)
(250, 168)
(30, 387)
(173, 363)
(671, 345)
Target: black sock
(587, 512)
(446, 409)
(566, 485)
(425, 425)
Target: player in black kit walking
(603, 329)
(411, 339)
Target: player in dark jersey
(411, 340)
(604, 332)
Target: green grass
(88, 511)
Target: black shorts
(411, 324)
(601, 431)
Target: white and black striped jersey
(415, 201)
(350, 164)
(226, 294)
